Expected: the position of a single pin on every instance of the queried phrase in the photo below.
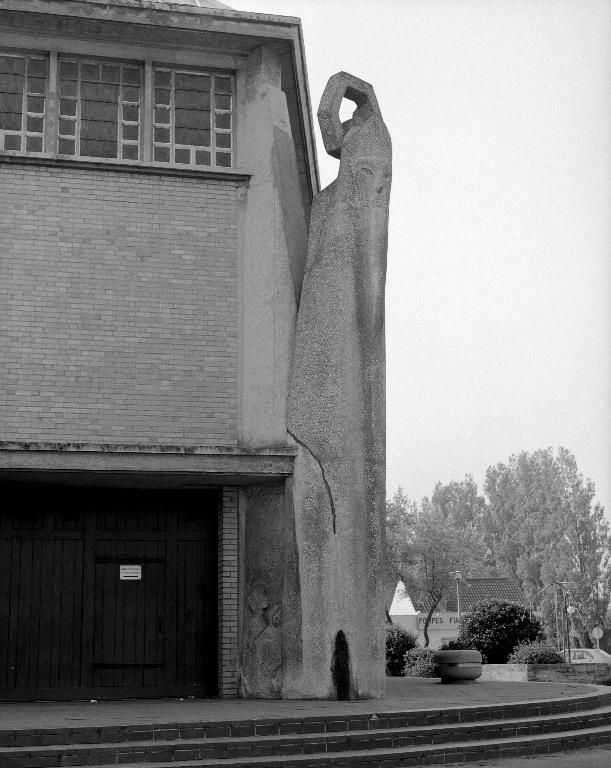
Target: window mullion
(77, 128)
(172, 115)
(50, 138)
(24, 106)
(212, 121)
(147, 114)
(119, 117)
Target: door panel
(128, 622)
(71, 627)
(39, 609)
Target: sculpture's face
(372, 175)
(366, 179)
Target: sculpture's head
(365, 171)
(362, 143)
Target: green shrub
(456, 645)
(419, 663)
(535, 652)
(495, 628)
(398, 642)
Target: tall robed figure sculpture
(337, 407)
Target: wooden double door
(107, 592)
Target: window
(23, 91)
(108, 109)
(192, 118)
(99, 109)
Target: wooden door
(129, 613)
(107, 592)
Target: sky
(499, 269)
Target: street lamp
(457, 575)
(572, 610)
(569, 610)
(566, 602)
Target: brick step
(458, 752)
(282, 726)
(154, 752)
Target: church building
(157, 168)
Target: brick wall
(547, 673)
(505, 672)
(118, 307)
(228, 593)
(569, 673)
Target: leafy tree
(460, 501)
(495, 628)
(400, 513)
(436, 547)
(542, 526)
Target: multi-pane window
(99, 109)
(192, 118)
(23, 92)
(115, 110)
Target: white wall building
(444, 624)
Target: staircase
(376, 740)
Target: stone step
(458, 752)
(157, 751)
(282, 726)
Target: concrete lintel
(163, 48)
(217, 174)
(160, 465)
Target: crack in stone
(324, 478)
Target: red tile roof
(474, 591)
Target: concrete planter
(548, 673)
(458, 666)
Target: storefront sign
(439, 620)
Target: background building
(444, 624)
(156, 172)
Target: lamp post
(572, 610)
(457, 575)
(566, 610)
(566, 601)
(569, 610)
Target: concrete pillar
(273, 244)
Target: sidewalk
(403, 694)
(586, 758)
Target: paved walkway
(585, 758)
(403, 694)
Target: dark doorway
(107, 592)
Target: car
(590, 656)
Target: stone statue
(337, 404)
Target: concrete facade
(152, 276)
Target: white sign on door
(130, 572)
